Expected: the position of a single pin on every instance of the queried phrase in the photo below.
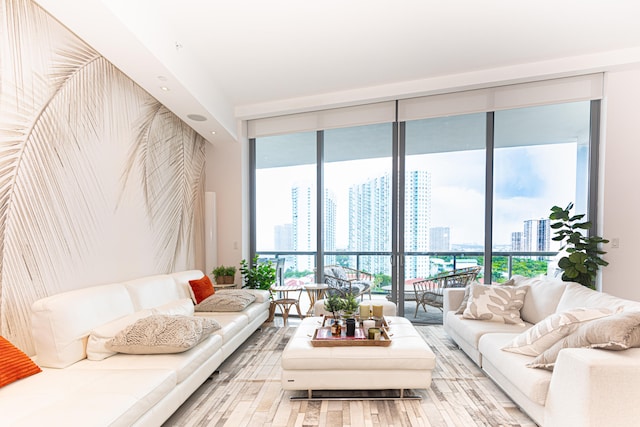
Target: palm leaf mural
(67, 120)
(170, 156)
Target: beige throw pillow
(615, 332)
(552, 329)
(227, 300)
(500, 304)
(465, 299)
(161, 333)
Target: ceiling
(229, 61)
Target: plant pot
(224, 280)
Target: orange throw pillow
(14, 364)
(201, 289)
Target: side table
(224, 286)
(282, 299)
(316, 292)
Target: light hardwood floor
(247, 392)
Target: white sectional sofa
(123, 389)
(588, 387)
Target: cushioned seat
(99, 397)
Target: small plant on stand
(224, 275)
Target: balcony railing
(449, 260)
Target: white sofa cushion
(577, 295)
(61, 323)
(63, 397)
(552, 329)
(542, 297)
(534, 383)
(153, 291)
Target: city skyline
(457, 196)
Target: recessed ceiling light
(164, 88)
(213, 132)
(162, 78)
(197, 117)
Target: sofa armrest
(452, 299)
(592, 388)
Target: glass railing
(300, 266)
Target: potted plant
(334, 304)
(224, 275)
(257, 275)
(583, 260)
(350, 305)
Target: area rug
(246, 392)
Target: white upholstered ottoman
(405, 364)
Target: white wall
(620, 175)
(224, 176)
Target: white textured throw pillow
(161, 333)
(100, 336)
(495, 303)
(227, 300)
(552, 329)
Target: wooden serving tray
(322, 338)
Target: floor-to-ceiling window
(444, 194)
(285, 200)
(458, 179)
(541, 159)
(357, 203)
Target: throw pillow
(616, 332)
(161, 333)
(14, 364)
(201, 289)
(552, 329)
(465, 299)
(99, 337)
(227, 300)
(495, 303)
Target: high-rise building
(303, 224)
(516, 241)
(537, 235)
(370, 221)
(439, 239)
(283, 237)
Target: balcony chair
(430, 291)
(345, 280)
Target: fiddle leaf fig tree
(583, 259)
(257, 275)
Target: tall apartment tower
(370, 221)
(283, 237)
(303, 224)
(417, 222)
(516, 241)
(439, 239)
(537, 235)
